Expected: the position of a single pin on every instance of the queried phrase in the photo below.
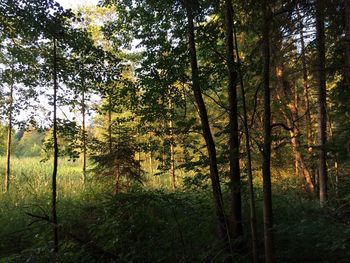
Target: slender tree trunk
(305, 84)
(235, 178)
(299, 157)
(321, 97)
(266, 164)
(300, 162)
(336, 167)
(336, 160)
(214, 173)
(139, 165)
(138, 152)
(296, 132)
(172, 152)
(249, 158)
(55, 145)
(347, 41)
(172, 166)
(9, 137)
(172, 157)
(110, 146)
(84, 136)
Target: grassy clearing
(149, 225)
(30, 191)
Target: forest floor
(155, 225)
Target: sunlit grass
(31, 178)
(30, 191)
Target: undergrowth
(148, 225)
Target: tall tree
(84, 139)
(236, 205)
(321, 99)
(305, 78)
(266, 162)
(248, 147)
(55, 145)
(9, 132)
(214, 172)
(172, 146)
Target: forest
(175, 131)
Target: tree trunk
(299, 158)
(110, 146)
(336, 183)
(295, 138)
(9, 137)
(305, 85)
(336, 159)
(172, 166)
(266, 164)
(84, 136)
(55, 145)
(249, 158)
(214, 173)
(172, 157)
(235, 178)
(321, 99)
(138, 153)
(290, 113)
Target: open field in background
(32, 178)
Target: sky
(75, 3)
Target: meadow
(149, 223)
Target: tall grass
(30, 191)
(131, 224)
(31, 178)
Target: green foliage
(68, 139)
(30, 144)
(3, 137)
(114, 157)
(151, 226)
(145, 108)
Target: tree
(9, 132)
(18, 68)
(321, 99)
(252, 211)
(233, 123)
(214, 173)
(266, 162)
(115, 157)
(305, 79)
